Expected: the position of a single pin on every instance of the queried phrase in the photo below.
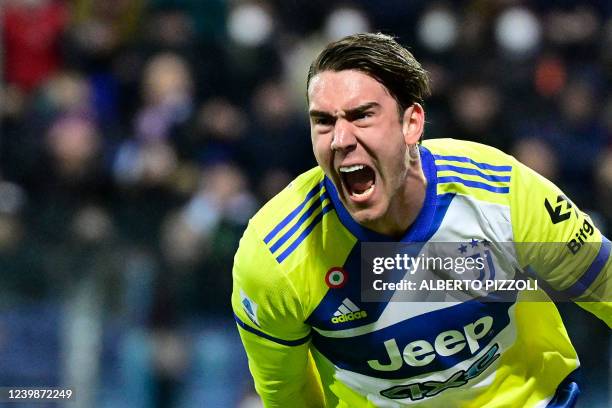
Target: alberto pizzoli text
(457, 284)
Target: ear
(413, 123)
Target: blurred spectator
(580, 136)
(197, 243)
(550, 76)
(604, 186)
(251, 28)
(167, 96)
(568, 27)
(171, 29)
(518, 31)
(148, 178)
(438, 28)
(70, 173)
(68, 92)
(217, 133)
(538, 155)
(476, 112)
(276, 126)
(73, 145)
(209, 16)
(146, 165)
(343, 21)
(99, 29)
(23, 276)
(32, 30)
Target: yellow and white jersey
(311, 340)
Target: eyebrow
(349, 113)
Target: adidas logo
(348, 311)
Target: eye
(364, 115)
(322, 121)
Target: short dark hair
(381, 57)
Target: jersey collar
(420, 230)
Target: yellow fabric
(285, 293)
(545, 246)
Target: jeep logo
(420, 352)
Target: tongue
(359, 181)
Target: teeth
(365, 193)
(348, 169)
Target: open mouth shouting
(358, 181)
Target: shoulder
(459, 150)
(274, 234)
(281, 209)
(293, 241)
(299, 222)
(275, 231)
(472, 169)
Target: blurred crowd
(139, 136)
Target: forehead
(332, 90)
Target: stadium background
(138, 137)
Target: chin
(368, 217)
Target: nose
(343, 136)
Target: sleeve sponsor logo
(558, 214)
(575, 244)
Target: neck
(405, 207)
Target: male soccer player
(311, 340)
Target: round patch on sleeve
(336, 277)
